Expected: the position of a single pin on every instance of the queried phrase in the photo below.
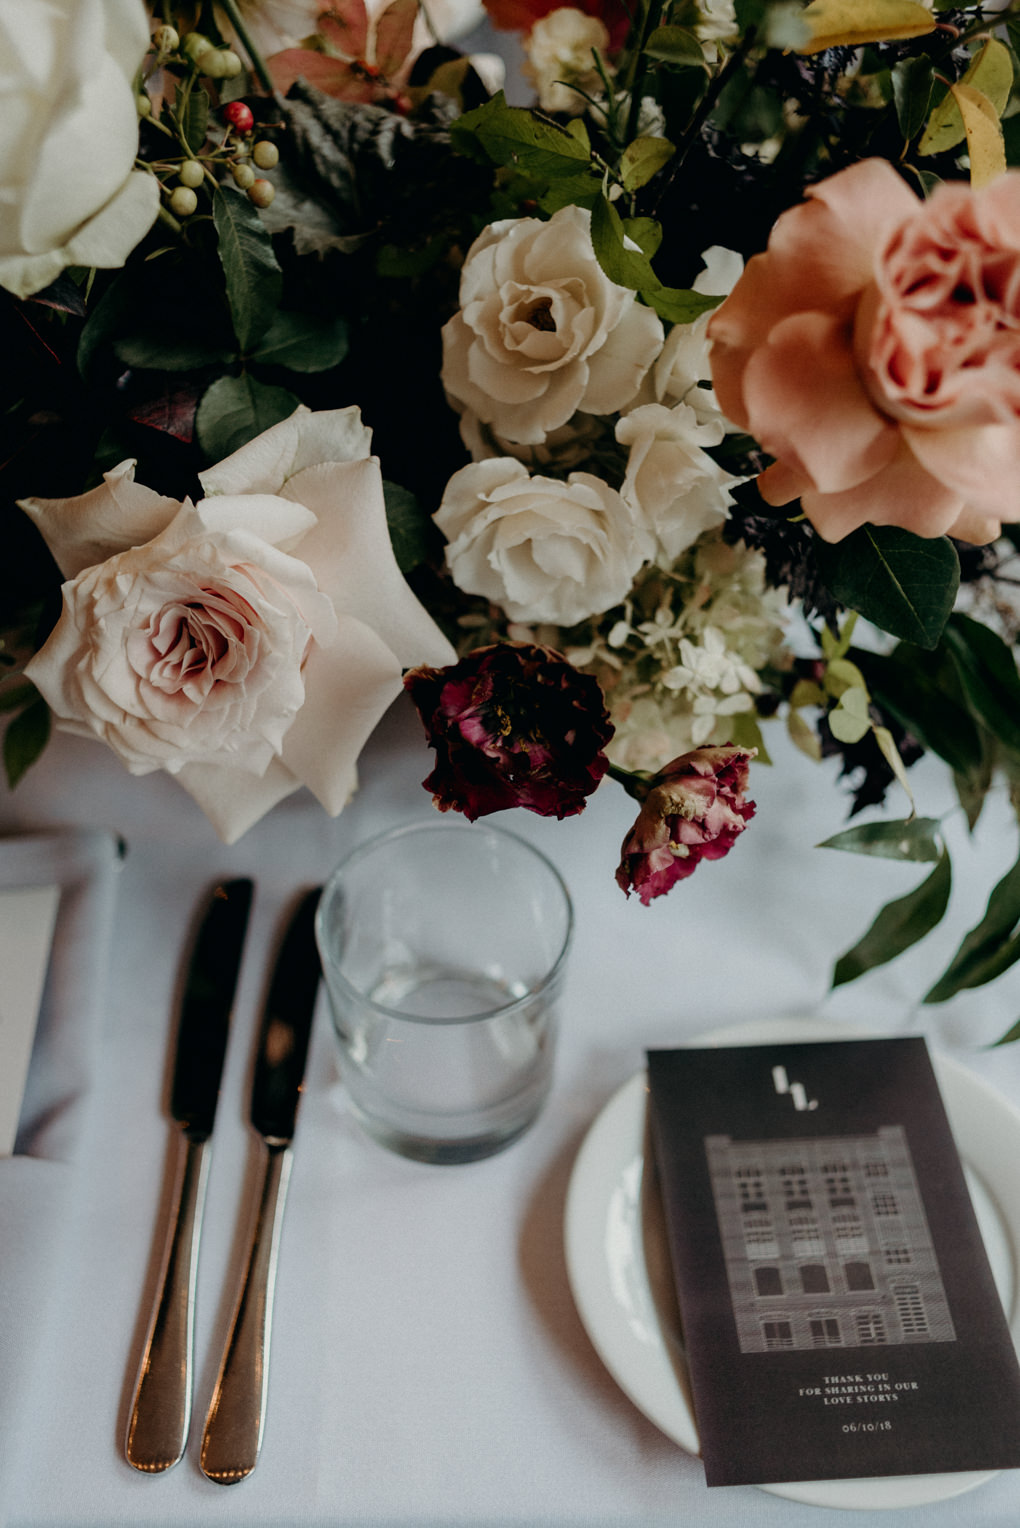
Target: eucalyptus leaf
(982, 947)
(408, 526)
(26, 736)
(253, 277)
(1013, 1033)
(991, 73)
(899, 925)
(303, 342)
(905, 584)
(849, 721)
(988, 674)
(911, 838)
(236, 409)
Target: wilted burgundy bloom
(694, 809)
(512, 725)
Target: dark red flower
(521, 15)
(694, 809)
(512, 725)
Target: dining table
(429, 1364)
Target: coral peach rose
(874, 351)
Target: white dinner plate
(618, 1258)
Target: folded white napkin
(35, 1183)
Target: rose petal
(616, 370)
(301, 440)
(348, 688)
(232, 798)
(120, 513)
(902, 494)
(979, 464)
(350, 553)
(806, 405)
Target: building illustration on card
(826, 1242)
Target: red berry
(239, 116)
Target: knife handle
(237, 1414)
(161, 1410)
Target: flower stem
(258, 63)
(635, 782)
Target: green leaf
(627, 267)
(254, 280)
(302, 342)
(912, 82)
(988, 674)
(172, 351)
(904, 583)
(643, 159)
(15, 694)
(408, 526)
(675, 45)
(982, 949)
(236, 409)
(194, 119)
(646, 233)
(915, 688)
(899, 925)
(26, 736)
(515, 135)
(581, 190)
(911, 838)
(675, 306)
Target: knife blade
(237, 1413)
(161, 1408)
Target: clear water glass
(443, 950)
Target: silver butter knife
(237, 1414)
(161, 1410)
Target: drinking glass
(443, 950)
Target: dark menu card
(839, 1314)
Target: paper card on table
(839, 1313)
(27, 920)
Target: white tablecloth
(428, 1364)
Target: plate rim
(621, 1111)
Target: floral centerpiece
(618, 428)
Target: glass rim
(408, 829)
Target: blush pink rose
(874, 351)
(694, 809)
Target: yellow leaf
(991, 72)
(851, 23)
(984, 135)
(804, 736)
(884, 739)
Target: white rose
(542, 331)
(69, 137)
(247, 644)
(683, 373)
(541, 549)
(559, 48)
(671, 482)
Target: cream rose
(246, 644)
(542, 332)
(69, 137)
(559, 58)
(541, 549)
(671, 481)
(874, 351)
